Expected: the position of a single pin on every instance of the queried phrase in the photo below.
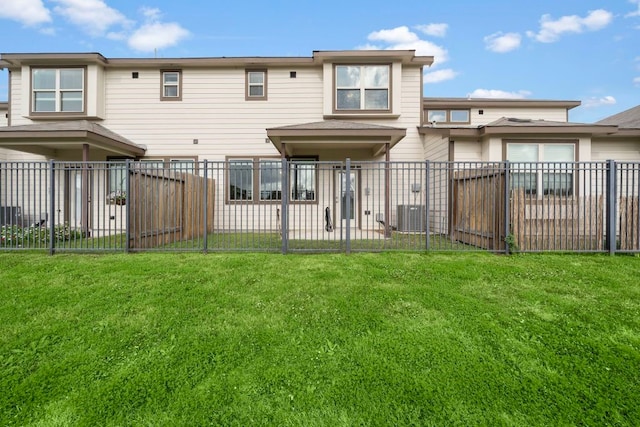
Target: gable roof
(628, 119)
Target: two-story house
(246, 114)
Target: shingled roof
(628, 119)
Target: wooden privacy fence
(557, 223)
(167, 207)
(629, 223)
(478, 208)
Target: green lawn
(319, 340)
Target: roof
(511, 125)
(54, 135)
(335, 134)
(628, 119)
(498, 102)
(319, 57)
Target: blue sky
(582, 50)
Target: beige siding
(467, 151)
(436, 148)
(213, 110)
(628, 150)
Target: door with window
(347, 197)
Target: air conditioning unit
(412, 218)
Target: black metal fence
(303, 205)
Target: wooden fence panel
(168, 207)
(629, 223)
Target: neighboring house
(4, 120)
(459, 129)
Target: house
(244, 116)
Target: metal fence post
(52, 207)
(507, 228)
(347, 204)
(127, 233)
(205, 210)
(611, 207)
(426, 203)
(284, 207)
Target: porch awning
(335, 134)
(68, 140)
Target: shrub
(16, 237)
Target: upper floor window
(448, 116)
(171, 85)
(256, 85)
(542, 169)
(362, 87)
(58, 90)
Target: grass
(323, 340)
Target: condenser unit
(412, 218)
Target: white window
(171, 86)
(256, 84)
(554, 176)
(182, 165)
(58, 90)
(362, 87)
(448, 116)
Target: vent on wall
(134, 75)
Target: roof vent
(516, 120)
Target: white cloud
(27, 12)
(435, 30)
(598, 102)
(635, 12)
(157, 35)
(93, 16)
(499, 94)
(550, 30)
(636, 81)
(501, 43)
(404, 39)
(440, 75)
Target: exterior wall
(621, 150)
(436, 148)
(467, 151)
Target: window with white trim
(362, 87)
(57, 90)
(171, 85)
(256, 85)
(542, 169)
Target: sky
(582, 50)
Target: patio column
(387, 191)
(84, 219)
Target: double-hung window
(240, 179)
(171, 86)
(542, 168)
(57, 90)
(256, 85)
(362, 87)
